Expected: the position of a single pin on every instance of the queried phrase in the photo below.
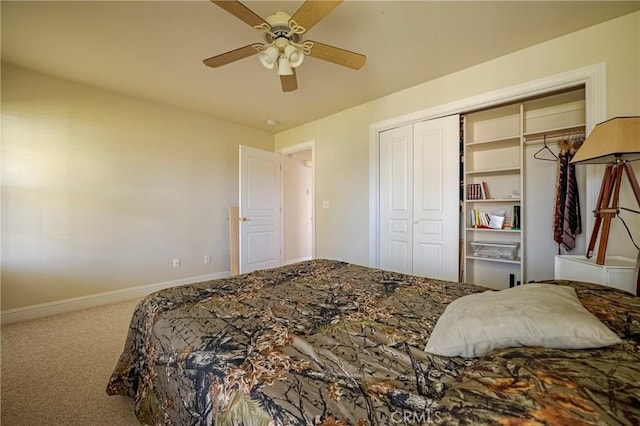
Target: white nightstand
(618, 272)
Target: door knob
(245, 219)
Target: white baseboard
(76, 303)
(300, 259)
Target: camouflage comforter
(330, 343)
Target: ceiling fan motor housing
(280, 28)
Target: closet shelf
(491, 259)
(553, 133)
(515, 139)
(506, 231)
(495, 200)
(505, 170)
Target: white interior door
(419, 181)
(260, 209)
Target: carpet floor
(54, 370)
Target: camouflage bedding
(330, 343)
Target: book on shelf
(515, 224)
(479, 219)
(484, 220)
(485, 191)
(478, 191)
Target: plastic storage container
(495, 249)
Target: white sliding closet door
(436, 160)
(396, 197)
(419, 181)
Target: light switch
(325, 204)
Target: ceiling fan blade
(240, 11)
(231, 56)
(289, 83)
(312, 12)
(343, 57)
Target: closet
(419, 179)
(509, 187)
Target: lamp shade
(293, 55)
(268, 57)
(609, 140)
(283, 66)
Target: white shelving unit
(493, 156)
(498, 148)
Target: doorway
(298, 203)
(274, 223)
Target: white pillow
(545, 315)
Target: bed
(325, 342)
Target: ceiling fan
(283, 47)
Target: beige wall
(101, 191)
(342, 140)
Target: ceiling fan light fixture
(294, 55)
(284, 68)
(268, 57)
(283, 42)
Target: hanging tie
(561, 192)
(567, 222)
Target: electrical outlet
(207, 258)
(176, 262)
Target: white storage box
(495, 249)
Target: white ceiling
(154, 49)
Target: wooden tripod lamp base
(608, 207)
(608, 204)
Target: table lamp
(614, 142)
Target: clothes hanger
(577, 140)
(565, 146)
(545, 148)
